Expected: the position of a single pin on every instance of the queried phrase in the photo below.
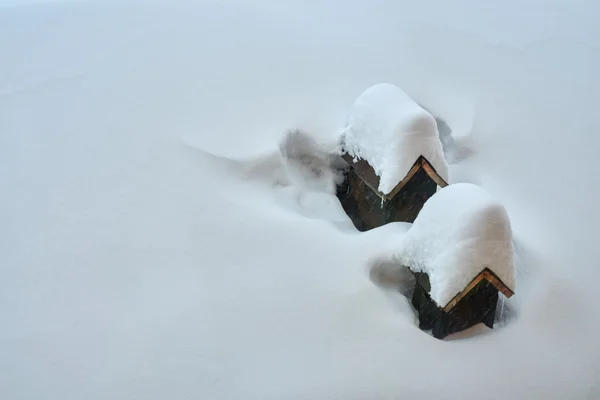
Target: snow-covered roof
(460, 231)
(390, 131)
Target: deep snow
(141, 259)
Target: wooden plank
(462, 294)
(367, 174)
(479, 305)
(498, 284)
(433, 173)
(364, 170)
(414, 169)
(486, 274)
(366, 208)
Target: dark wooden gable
(368, 208)
(474, 304)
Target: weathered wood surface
(486, 274)
(368, 208)
(476, 303)
(367, 174)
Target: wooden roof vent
(368, 208)
(476, 303)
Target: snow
(140, 259)
(308, 164)
(460, 231)
(391, 131)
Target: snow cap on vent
(390, 131)
(460, 231)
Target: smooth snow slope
(135, 264)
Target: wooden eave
(364, 170)
(486, 274)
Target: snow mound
(390, 131)
(460, 231)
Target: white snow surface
(391, 131)
(460, 231)
(147, 250)
(308, 165)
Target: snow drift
(139, 262)
(309, 165)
